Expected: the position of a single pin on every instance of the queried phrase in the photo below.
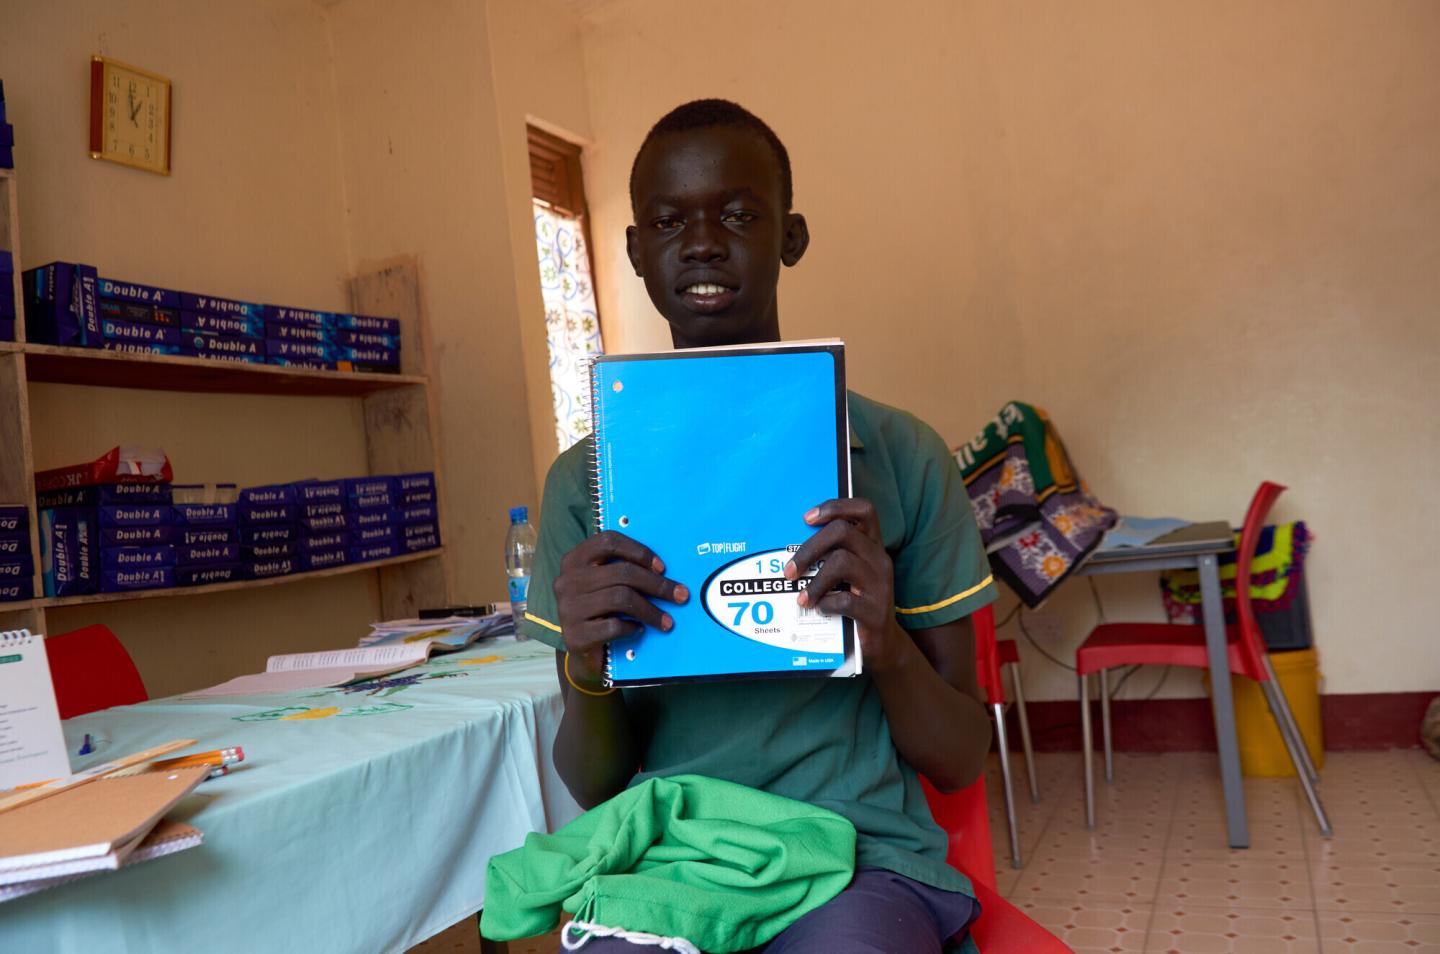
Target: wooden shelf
(158, 372)
(61, 601)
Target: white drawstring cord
(590, 930)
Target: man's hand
(603, 592)
(857, 579)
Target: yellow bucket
(1262, 752)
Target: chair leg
(1105, 724)
(1002, 742)
(1295, 744)
(1289, 719)
(1025, 731)
(1087, 743)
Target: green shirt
(822, 741)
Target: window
(572, 322)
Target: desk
(359, 821)
(1197, 547)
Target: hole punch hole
(630, 655)
(624, 521)
(617, 387)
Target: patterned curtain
(572, 326)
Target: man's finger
(637, 578)
(857, 510)
(608, 546)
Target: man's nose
(703, 242)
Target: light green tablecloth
(360, 820)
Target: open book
(444, 635)
(321, 670)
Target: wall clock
(129, 116)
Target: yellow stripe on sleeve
(915, 610)
(543, 622)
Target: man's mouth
(707, 297)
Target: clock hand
(135, 111)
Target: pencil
(218, 757)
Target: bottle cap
(519, 514)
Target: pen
(218, 757)
(87, 746)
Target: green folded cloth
(721, 865)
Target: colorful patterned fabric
(1274, 575)
(572, 324)
(1037, 519)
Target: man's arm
(933, 702)
(927, 677)
(603, 591)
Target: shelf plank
(62, 601)
(160, 372)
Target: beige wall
(1203, 236)
(538, 66)
(424, 176)
(254, 209)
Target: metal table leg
(1223, 704)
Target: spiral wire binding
(595, 474)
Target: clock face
(134, 117)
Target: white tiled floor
(1156, 875)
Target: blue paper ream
(115, 581)
(204, 574)
(136, 558)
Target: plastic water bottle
(519, 555)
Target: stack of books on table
(71, 304)
(17, 567)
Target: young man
(711, 194)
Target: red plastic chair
(1008, 654)
(92, 671)
(1126, 644)
(987, 671)
(1001, 928)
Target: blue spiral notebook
(711, 457)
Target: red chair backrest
(92, 671)
(1252, 643)
(987, 655)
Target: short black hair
(706, 113)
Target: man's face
(711, 233)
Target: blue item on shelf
(206, 573)
(12, 590)
(197, 323)
(204, 553)
(220, 306)
(16, 544)
(260, 534)
(205, 514)
(324, 559)
(374, 551)
(150, 578)
(135, 515)
(150, 536)
(14, 519)
(68, 560)
(267, 513)
(268, 568)
(136, 558)
(269, 551)
(144, 294)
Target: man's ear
(632, 248)
(796, 240)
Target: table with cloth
(362, 818)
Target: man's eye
(739, 218)
(666, 222)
